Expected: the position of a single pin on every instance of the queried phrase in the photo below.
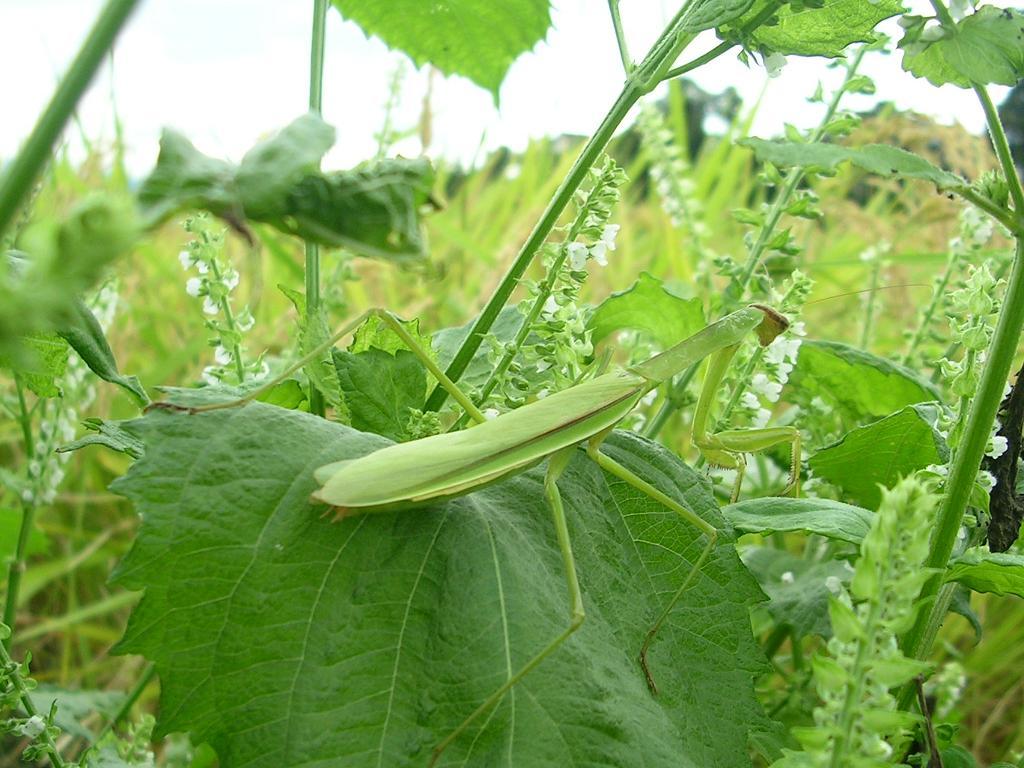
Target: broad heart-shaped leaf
(834, 519)
(880, 159)
(478, 39)
(986, 47)
(373, 209)
(1001, 573)
(823, 31)
(861, 384)
(881, 453)
(798, 595)
(284, 639)
(650, 307)
(381, 389)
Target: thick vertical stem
(27, 520)
(642, 80)
(30, 161)
(967, 459)
(316, 90)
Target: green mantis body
(433, 469)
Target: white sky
(226, 72)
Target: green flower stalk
(857, 724)
(216, 280)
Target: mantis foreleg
(556, 465)
(613, 467)
(395, 325)
(726, 448)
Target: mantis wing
(458, 462)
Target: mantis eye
(773, 324)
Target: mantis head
(773, 324)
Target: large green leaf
(284, 639)
(881, 453)
(881, 159)
(373, 209)
(478, 39)
(986, 47)
(861, 384)
(1001, 573)
(650, 307)
(833, 519)
(810, 31)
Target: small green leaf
(985, 47)
(381, 389)
(478, 39)
(1001, 573)
(86, 337)
(881, 159)
(108, 434)
(958, 757)
(39, 360)
(75, 706)
(846, 627)
(880, 453)
(650, 307)
(897, 670)
(861, 384)
(833, 519)
(288, 394)
(808, 31)
(448, 341)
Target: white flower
(32, 727)
(186, 259)
(491, 414)
(210, 306)
(941, 470)
(774, 62)
(787, 577)
(833, 585)
(749, 400)
(577, 256)
(192, 286)
(550, 306)
(998, 446)
(231, 279)
(202, 267)
(762, 385)
(543, 393)
(221, 355)
(607, 243)
(987, 481)
(761, 417)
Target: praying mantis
(434, 469)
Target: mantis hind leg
(710, 532)
(556, 465)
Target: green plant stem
(967, 459)
(641, 80)
(126, 706)
(229, 318)
(1002, 147)
(17, 567)
(963, 470)
(316, 90)
(929, 313)
(869, 310)
(35, 153)
(793, 179)
(620, 35)
(26, 703)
